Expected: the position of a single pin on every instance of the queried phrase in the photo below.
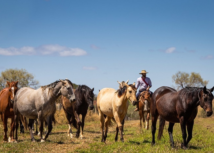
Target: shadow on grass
(58, 133)
(92, 131)
(146, 141)
(194, 147)
(134, 142)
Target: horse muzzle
(91, 107)
(209, 113)
(72, 100)
(11, 101)
(134, 103)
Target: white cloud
(17, 51)
(89, 68)
(170, 50)
(43, 50)
(208, 57)
(95, 47)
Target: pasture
(135, 140)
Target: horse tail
(161, 126)
(24, 121)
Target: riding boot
(137, 106)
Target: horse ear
(134, 84)
(8, 84)
(205, 89)
(63, 82)
(16, 83)
(212, 89)
(92, 89)
(127, 81)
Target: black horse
(84, 99)
(179, 107)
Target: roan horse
(179, 107)
(40, 103)
(6, 108)
(144, 108)
(84, 99)
(114, 104)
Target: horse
(114, 104)
(84, 99)
(144, 108)
(6, 108)
(40, 103)
(179, 107)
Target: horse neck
(195, 100)
(52, 94)
(80, 96)
(122, 99)
(6, 93)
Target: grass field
(135, 140)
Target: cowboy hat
(143, 72)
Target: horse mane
(121, 91)
(80, 88)
(189, 90)
(52, 85)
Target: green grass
(134, 139)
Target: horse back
(105, 100)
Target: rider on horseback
(143, 83)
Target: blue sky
(100, 42)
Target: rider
(143, 83)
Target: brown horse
(84, 100)
(6, 108)
(144, 108)
(179, 107)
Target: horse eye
(130, 91)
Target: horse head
(130, 91)
(67, 90)
(145, 98)
(206, 98)
(89, 97)
(12, 89)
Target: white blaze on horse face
(146, 105)
(12, 91)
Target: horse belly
(30, 113)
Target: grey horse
(40, 104)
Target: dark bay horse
(179, 107)
(6, 108)
(40, 103)
(144, 108)
(84, 99)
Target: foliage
(25, 78)
(131, 114)
(183, 79)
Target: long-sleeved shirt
(141, 84)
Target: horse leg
(83, 123)
(147, 119)
(170, 131)
(78, 125)
(70, 130)
(11, 137)
(50, 127)
(120, 126)
(184, 134)
(154, 121)
(123, 122)
(189, 130)
(144, 120)
(116, 136)
(101, 116)
(106, 127)
(5, 126)
(30, 124)
(21, 126)
(141, 116)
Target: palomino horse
(114, 104)
(40, 103)
(6, 108)
(144, 108)
(84, 99)
(179, 107)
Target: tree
(183, 79)
(24, 78)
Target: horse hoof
(71, 135)
(81, 136)
(42, 140)
(153, 144)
